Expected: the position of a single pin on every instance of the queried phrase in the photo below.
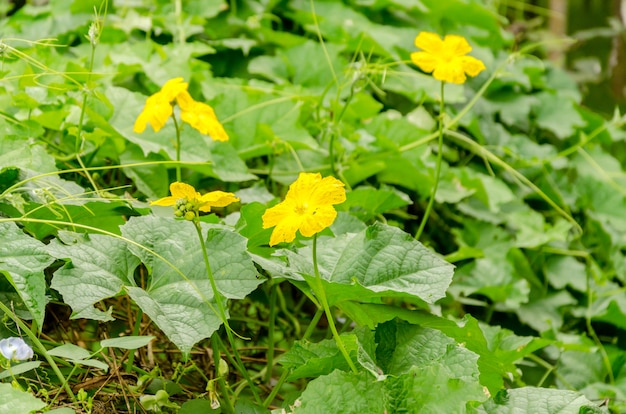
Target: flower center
(302, 209)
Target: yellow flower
(156, 112)
(446, 58)
(173, 88)
(202, 117)
(308, 207)
(188, 202)
(159, 106)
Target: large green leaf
(440, 374)
(13, 400)
(23, 260)
(498, 349)
(98, 267)
(343, 392)
(179, 298)
(380, 260)
(314, 359)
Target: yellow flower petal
(156, 112)
(202, 117)
(429, 42)
(472, 66)
(285, 231)
(425, 61)
(446, 58)
(328, 191)
(173, 88)
(158, 107)
(456, 45)
(165, 201)
(182, 190)
(216, 199)
(184, 100)
(314, 223)
(274, 215)
(450, 72)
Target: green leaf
(324, 63)
(127, 342)
(544, 313)
(69, 351)
(250, 224)
(22, 153)
(94, 363)
(367, 202)
(557, 114)
(22, 261)
(17, 369)
(16, 401)
(150, 179)
(343, 392)
(441, 375)
(98, 267)
(314, 359)
(565, 270)
(179, 298)
(380, 260)
(539, 401)
(257, 118)
(580, 369)
(435, 388)
(498, 348)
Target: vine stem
(41, 349)
(178, 173)
(271, 330)
(80, 142)
(320, 291)
(592, 332)
(220, 378)
(431, 201)
(222, 314)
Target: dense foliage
(511, 297)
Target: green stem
(316, 318)
(222, 314)
(220, 378)
(333, 135)
(270, 332)
(431, 201)
(131, 356)
(178, 11)
(41, 349)
(592, 332)
(482, 152)
(461, 113)
(80, 142)
(321, 292)
(178, 173)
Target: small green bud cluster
(185, 209)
